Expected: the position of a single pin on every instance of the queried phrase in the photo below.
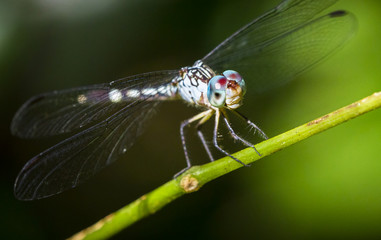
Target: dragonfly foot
(244, 164)
(181, 172)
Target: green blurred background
(326, 187)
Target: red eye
(232, 75)
(220, 82)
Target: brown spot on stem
(353, 105)
(82, 234)
(189, 183)
(316, 121)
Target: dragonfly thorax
(201, 86)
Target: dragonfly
(105, 119)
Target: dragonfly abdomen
(163, 92)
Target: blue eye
(217, 91)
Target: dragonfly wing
(78, 108)
(283, 43)
(75, 159)
(285, 17)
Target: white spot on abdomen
(115, 95)
(132, 93)
(81, 99)
(149, 91)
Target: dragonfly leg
(236, 136)
(185, 123)
(201, 135)
(215, 141)
(251, 124)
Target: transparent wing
(282, 43)
(77, 158)
(64, 111)
(285, 17)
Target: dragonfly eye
(232, 75)
(217, 91)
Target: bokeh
(326, 187)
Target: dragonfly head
(226, 90)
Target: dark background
(325, 187)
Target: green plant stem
(197, 176)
